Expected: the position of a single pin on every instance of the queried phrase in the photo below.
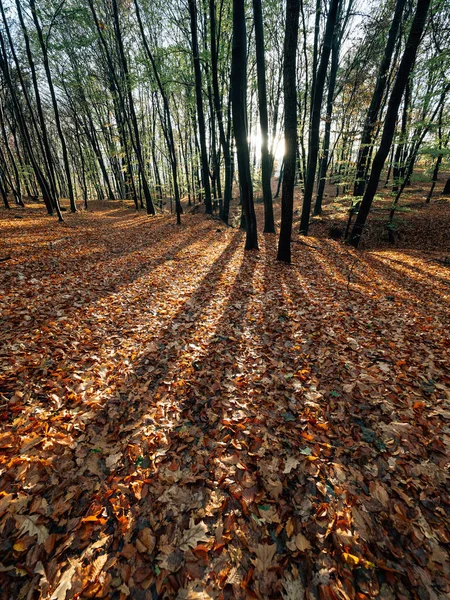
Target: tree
(375, 104)
(239, 105)
(401, 80)
(200, 113)
(317, 95)
(266, 163)
(290, 129)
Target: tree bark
(375, 104)
(266, 163)
(401, 80)
(168, 131)
(290, 129)
(200, 112)
(62, 139)
(317, 92)
(239, 100)
(219, 113)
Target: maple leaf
(264, 556)
(194, 535)
(27, 524)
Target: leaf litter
(182, 421)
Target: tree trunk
(239, 100)
(323, 165)
(290, 129)
(137, 145)
(62, 139)
(375, 104)
(266, 163)
(219, 113)
(446, 189)
(200, 112)
(401, 80)
(168, 131)
(317, 92)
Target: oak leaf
(27, 524)
(194, 535)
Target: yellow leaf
(20, 546)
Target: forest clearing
(183, 421)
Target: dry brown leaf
(194, 535)
(264, 556)
(28, 524)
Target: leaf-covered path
(183, 421)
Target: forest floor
(179, 419)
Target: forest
(224, 299)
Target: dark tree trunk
(280, 179)
(398, 166)
(219, 113)
(239, 100)
(43, 184)
(200, 112)
(168, 131)
(317, 92)
(439, 158)
(3, 190)
(446, 189)
(401, 80)
(62, 139)
(323, 165)
(290, 129)
(375, 104)
(137, 145)
(266, 163)
(43, 128)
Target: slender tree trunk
(43, 135)
(290, 129)
(401, 80)
(280, 179)
(200, 112)
(317, 92)
(375, 104)
(266, 163)
(439, 158)
(168, 131)
(409, 166)
(137, 146)
(3, 190)
(239, 100)
(323, 165)
(62, 139)
(43, 184)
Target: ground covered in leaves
(181, 420)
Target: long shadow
(121, 272)
(356, 425)
(120, 412)
(422, 292)
(424, 278)
(178, 438)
